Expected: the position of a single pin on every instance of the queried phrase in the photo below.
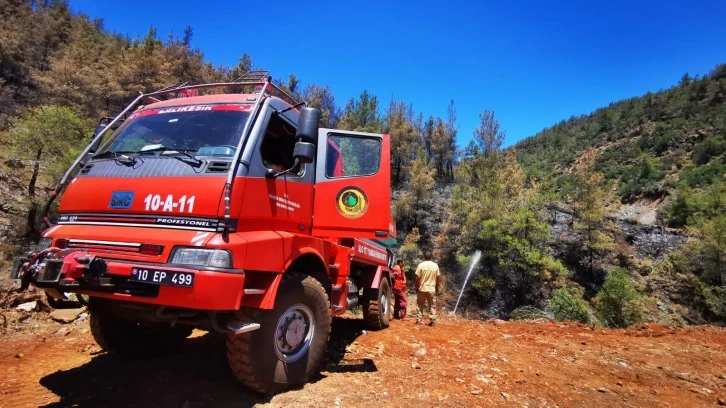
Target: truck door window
(278, 145)
(349, 156)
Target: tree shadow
(197, 375)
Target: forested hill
(650, 146)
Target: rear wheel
(291, 340)
(378, 305)
(133, 340)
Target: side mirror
(304, 152)
(307, 125)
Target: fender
(261, 287)
(373, 280)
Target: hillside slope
(648, 145)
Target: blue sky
(533, 63)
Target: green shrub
(705, 150)
(483, 287)
(528, 313)
(641, 178)
(614, 296)
(703, 176)
(568, 304)
(679, 208)
(640, 309)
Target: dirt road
(457, 363)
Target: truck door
(352, 185)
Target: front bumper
(85, 274)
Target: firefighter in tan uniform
(427, 287)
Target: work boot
(433, 323)
(419, 321)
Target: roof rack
(255, 79)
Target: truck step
(240, 327)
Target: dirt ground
(457, 363)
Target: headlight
(44, 243)
(218, 258)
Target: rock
(623, 363)
(459, 380)
(620, 383)
(683, 376)
(706, 390)
(537, 374)
(65, 315)
(19, 355)
(721, 401)
(603, 389)
(505, 395)
(416, 366)
(27, 307)
(476, 391)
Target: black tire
(132, 340)
(253, 356)
(378, 305)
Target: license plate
(162, 277)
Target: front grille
(111, 247)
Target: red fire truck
(228, 211)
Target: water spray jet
(474, 260)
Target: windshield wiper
(185, 152)
(120, 156)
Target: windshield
(203, 130)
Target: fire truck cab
(233, 213)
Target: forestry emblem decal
(351, 202)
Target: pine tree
(488, 135)
(404, 138)
(591, 202)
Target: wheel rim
(294, 332)
(384, 303)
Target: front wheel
(291, 340)
(378, 305)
